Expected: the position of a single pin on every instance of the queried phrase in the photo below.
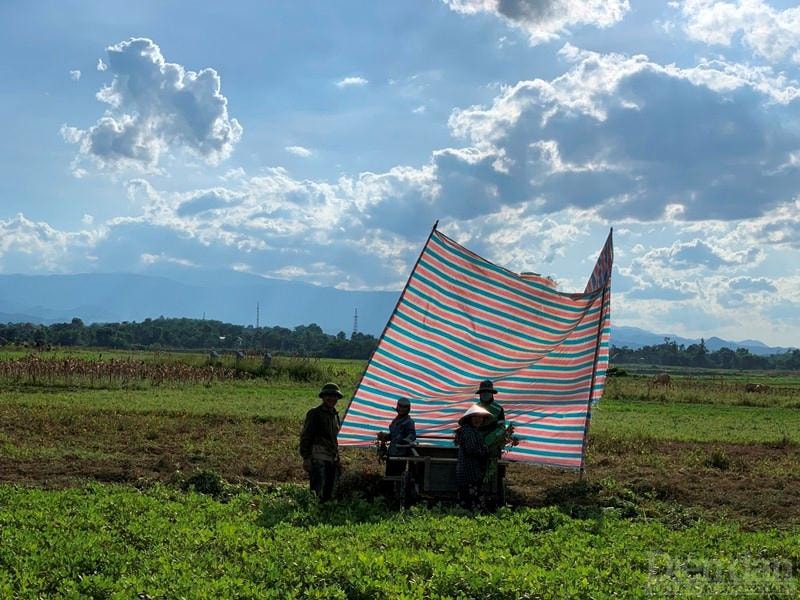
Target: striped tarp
(462, 319)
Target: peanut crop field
(162, 475)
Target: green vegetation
(310, 340)
(161, 333)
(698, 356)
(695, 422)
(182, 489)
(106, 541)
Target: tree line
(697, 355)
(310, 340)
(191, 334)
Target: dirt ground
(755, 484)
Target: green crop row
(114, 542)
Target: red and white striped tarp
(462, 319)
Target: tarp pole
(391, 317)
(594, 373)
(600, 324)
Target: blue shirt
(402, 432)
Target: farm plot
(655, 465)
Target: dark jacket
(402, 432)
(318, 438)
(473, 456)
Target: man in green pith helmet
(494, 427)
(318, 444)
(495, 431)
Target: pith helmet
(403, 402)
(330, 389)
(486, 386)
(475, 409)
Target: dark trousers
(322, 477)
(469, 495)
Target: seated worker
(494, 427)
(473, 456)
(401, 436)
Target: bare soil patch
(755, 484)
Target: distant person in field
(473, 455)
(318, 445)
(401, 436)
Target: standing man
(494, 427)
(402, 434)
(318, 445)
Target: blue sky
(320, 141)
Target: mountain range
(633, 337)
(233, 297)
(226, 296)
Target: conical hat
(475, 409)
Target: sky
(320, 141)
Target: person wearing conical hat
(494, 427)
(319, 447)
(473, 456)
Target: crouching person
(473, 456)
(318, 445)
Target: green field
(190, 490)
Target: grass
(237, 398)
(615, 416)
(695, 422)
(728, 389)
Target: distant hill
(225, 296)
(231, 297)
(20, 318)
(633, 337)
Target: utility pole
(258, 314)
(355, 323)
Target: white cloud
(101, 66)
(697, 254)
(75, 75)
(586, 139)
(87, 219)
(779, 228)
(351, 81)
(276, 222)
(237, 173)
(30, 246)
(769, 33)
(546, 20)
(151, 259)
(154, 107)
(299, 151)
